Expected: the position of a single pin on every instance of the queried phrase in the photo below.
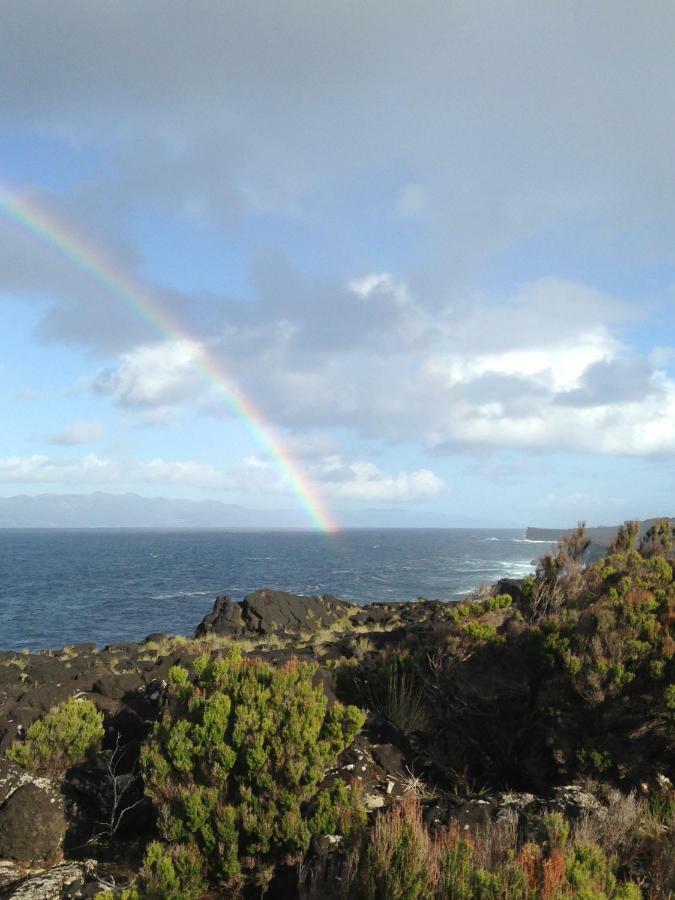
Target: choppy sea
(59, 587)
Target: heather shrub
(499, 601)
(235, 760)
(340, 809)
(168, 873)
(60, 739)
(589, 873)
(399, 861)
(479, 631)
(405, 861)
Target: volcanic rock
(32, 824)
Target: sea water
(60, 587)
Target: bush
(399, 861)
(499, 601)
(234, 762)
(589, 873)
(404, 861)
(340, 809)
(168, 873)
(480, 631)
(61, 739)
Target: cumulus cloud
(366, 481)
(611, 382)
(541, 369)
(153, 376)
(77, 433)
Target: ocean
(60, 587)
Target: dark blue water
(64, 587)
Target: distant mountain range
(101, 510)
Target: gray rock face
(69, 880)
(11, 777)
(10, 873)
(32, 824)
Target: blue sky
(435, 246)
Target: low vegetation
(405, 860)
(63, 738)
(234, 763)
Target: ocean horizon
(107, 585)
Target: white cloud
(366, 481)
(154, 375)
(541, 369)
(77, 433)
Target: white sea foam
(529, 541)
(176, 594)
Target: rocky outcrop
(69, 881)
(224, 619)
(268, 612)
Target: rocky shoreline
(74, 836)
(127, 683)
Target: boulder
(45, 669)
(33, 824)
(269, 612)
(46, 697)
(225, 618)
(511, 586)
(117, 687)
(390, 759)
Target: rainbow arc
(95, 263)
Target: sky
(433, 244)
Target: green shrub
(669, 697)
(455, 866)
(172, 873)
(499, 601)
(340, 809)
(234, 762)
(479, 631)
(168, 873)
(557, 829)
(590, 874)
(61, 739)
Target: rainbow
(95, 263)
